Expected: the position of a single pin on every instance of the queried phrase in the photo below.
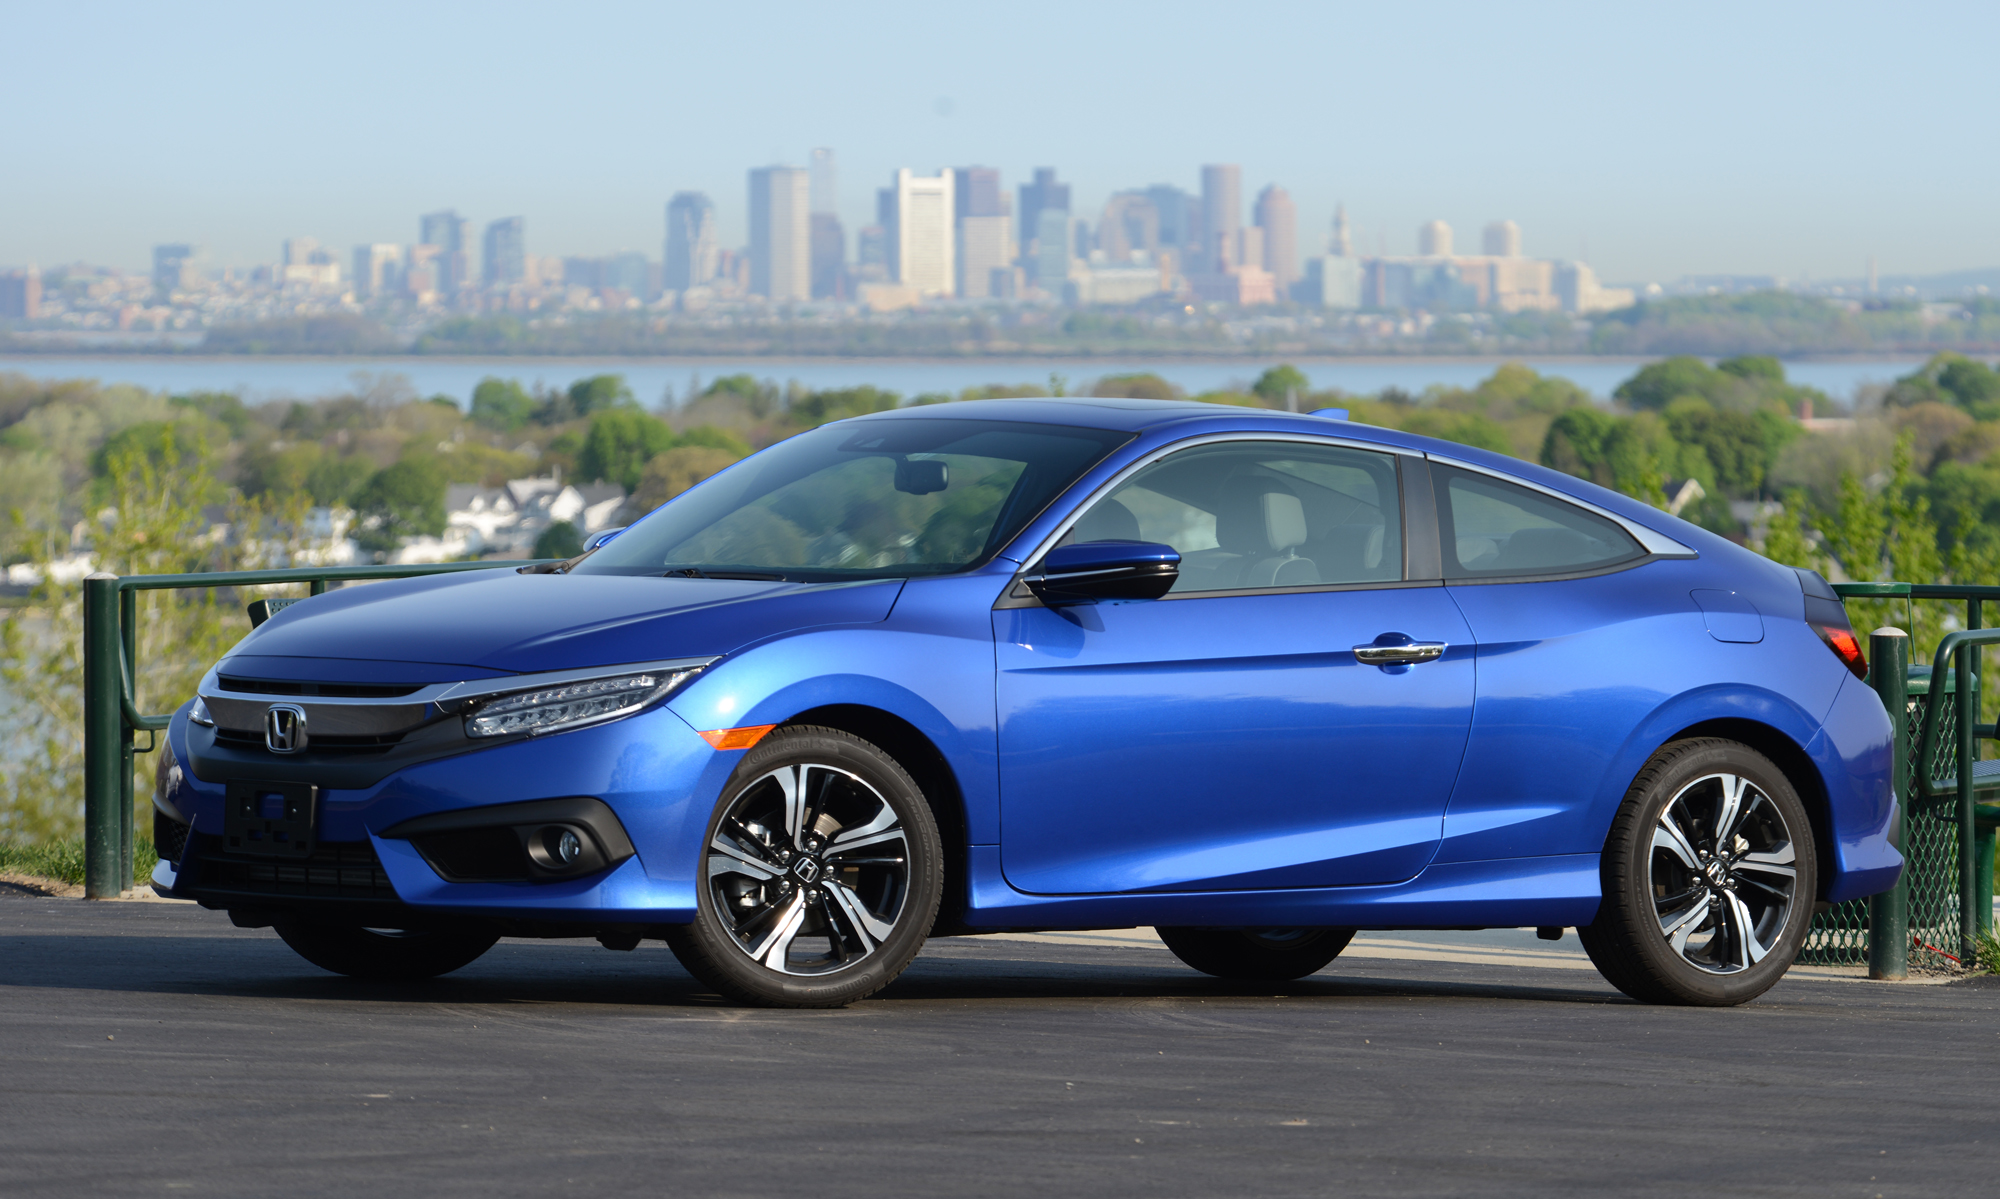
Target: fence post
(1889, 912)
(1967, 753)
(103, 738)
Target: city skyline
(1658, 147)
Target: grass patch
(1986, 952)
(63, 860)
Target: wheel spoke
(884, 818)
(772, 949)
(1781, 861)
(858, 911)
(1668, 836)
(1748, 950)
(1731, 810)
(1678, 929)
(730, 858)
(882, 838)
(791, 781)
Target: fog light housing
(558, 848)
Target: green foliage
(1661, 383)
(1465, 428)
(600, 393)
(1953, 379)
(224, 408)
(559, 540)
(501, 404)
(715, 439)
(819, 407)
(619, 444)
(1141, 386)
(1633, 454)
(403, 500)
(1279, 382)
(334, 333)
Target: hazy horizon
(1791, 140)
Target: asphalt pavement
(151, 1048)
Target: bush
(559, 540)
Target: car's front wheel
(1257, 954)
(385, 953)
(1709, 878)
(820, 878)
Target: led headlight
(553, 709)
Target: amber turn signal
(742, 738)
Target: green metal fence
(111, 722)
(1932, 918)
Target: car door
(1227, 736)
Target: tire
(1682, 923)
(1257, 954)
(385, 953)
(822, 871)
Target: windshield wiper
(695, 572)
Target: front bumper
(650, 769)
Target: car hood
(485, 624)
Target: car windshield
(862, 500)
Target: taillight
(1841, 640)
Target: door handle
(1407, 654)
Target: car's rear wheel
(1257, 954)
(1709, 878)
(821, 874)
(385, 953)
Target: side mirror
(600, 537)
(1105, 570)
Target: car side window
(1491, 530)
(1265, 514)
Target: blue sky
(1662, 139)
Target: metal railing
(111, 719)
(1937, 901)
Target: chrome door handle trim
(1400, 655)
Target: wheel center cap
(1717, 873)
(807, 870)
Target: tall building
(506, 252)
(780, 234)
(825, 181)
(690, 252)
(299, 251)
(626, 271)
(1222, 215)
(1044, 193)
(1051, 260)
(1434, 240)
(173, 267)
(446, 231)
(1341, 244)
(1180, 222)
(1502, 240)
(1280, 222)
(871, 254)
(378, 269)
(984, 227)
(829, 256)
(21, 294)
(925, 237)
(1130, 226)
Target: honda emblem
(284, 728)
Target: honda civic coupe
(1255, 679)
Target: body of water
(259, 379)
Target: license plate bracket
(270, 820)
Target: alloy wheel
(809, 870)
(1723, 873)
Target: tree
(401, 501)
(620, 443)
(1141, 386)
(600, 393)
(680, 468)
(501, 404)
(1278, 383)
(1661, 383)
(559, 540)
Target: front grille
(340, 690)
(316, 743)
(336, 870)
(170, 837)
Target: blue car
(1256, 679)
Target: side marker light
(742, 738)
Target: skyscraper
(1222, 215)
(506, 252)
(21, 294)
(1280, 222)
(377, 269)
(825, 182)
(829, 256)
(780, 234)
(173, 268)
(925, 239)
(1434, 240)
(1130, 225)
(1341, 245)
(1044, 195)
(1503, 240)
(985, 229)
(446, 231)
(690, 252)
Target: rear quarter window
(1496, 530)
